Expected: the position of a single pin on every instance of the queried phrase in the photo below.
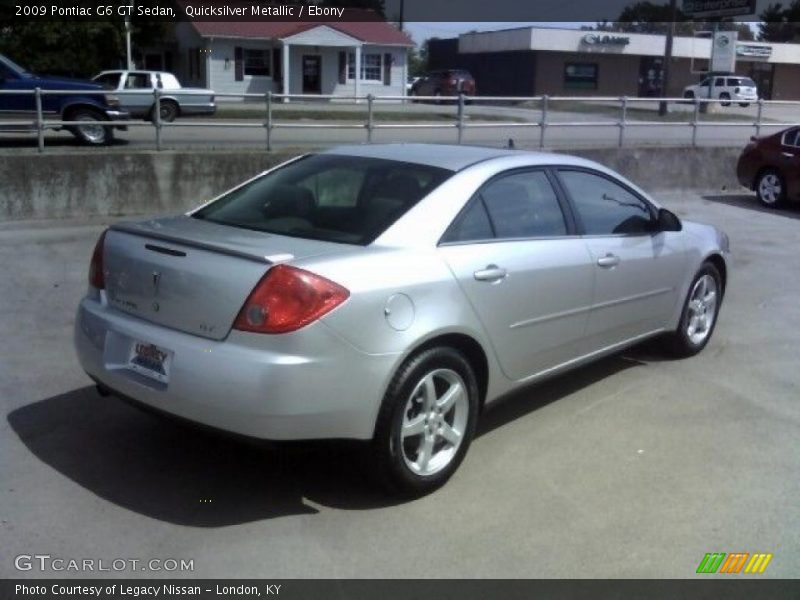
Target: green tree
(779, 24)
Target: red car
(771, 167)
(448, 82)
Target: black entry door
(312, 74)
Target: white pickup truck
(135, 91)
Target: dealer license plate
(150, 360)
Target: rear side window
(346, 199)
(519, 205)
(605, 207)
(138, 81)
(792, 138)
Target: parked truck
(18, 111)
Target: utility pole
(673, 9)
(128, 39)
(402, 10)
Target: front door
(312, 74)
(637, 270)
(789, 161)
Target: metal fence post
(157, 116)
(460, 123)
(370, 123)
(624, 113)
(543, 123)
(759, 116)
(695, 119)
(39, 118)
(268, 123)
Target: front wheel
(725, 99)
(92, 133)
(700, 311)
(744, 104)
(426, 422)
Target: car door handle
(609, 260)
(490, 273)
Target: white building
(331, 58)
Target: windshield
(744, 82)
(346, 199)
(14, 67)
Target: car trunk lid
(193, 275)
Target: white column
(286, 88)
(405, 73)
(358, 70)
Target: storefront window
(580, 76)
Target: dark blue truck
(92, 109)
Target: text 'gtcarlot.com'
(46, 562)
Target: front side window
(605, 207)
(345, 199)
(371, 66)
(110, 81)
(256, 62)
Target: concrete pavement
(633, 467)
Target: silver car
(388, 293)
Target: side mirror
(668, 221)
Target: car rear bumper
(310, 384)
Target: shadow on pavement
(750, 202)
(188, 476)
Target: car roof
(451, 157)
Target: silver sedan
(388, 293)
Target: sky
(422, 31)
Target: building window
(256, 62)
(580, 76)
(371, 67)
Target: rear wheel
(771, 189)
(169, 111)
(92, 133)
(699, 316)
(426, 422)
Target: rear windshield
(742, 81)
(346, 199)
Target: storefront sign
(718, 8)
(596, 39)
(754, 51)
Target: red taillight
(97, 278)
(288, 298)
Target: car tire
(770, 189)
(92, 133)
(698, 315)
(725, 99)
(744, 104)
(169, 111)
(688, 95)
(426, 422)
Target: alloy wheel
(434, 422)
(702, 309)
(770, 188)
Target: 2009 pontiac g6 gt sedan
(388, 292)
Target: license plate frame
(150, 360)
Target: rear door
(525, 273)
(637, 271)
